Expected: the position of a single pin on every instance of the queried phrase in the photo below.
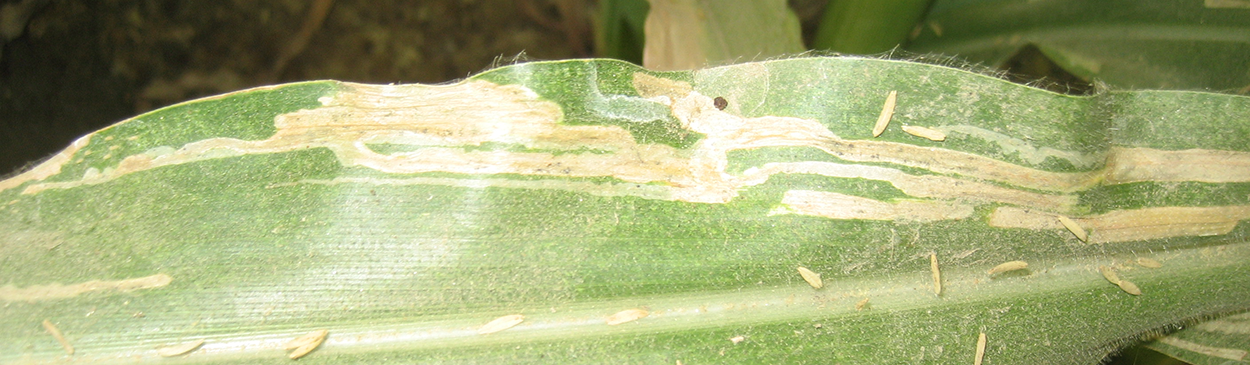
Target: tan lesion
(439, 125)
(439, 122)
(920, 186)
(1132, 224)
(36, 293)
(1130, 165)
(842, 206)
(48, 168)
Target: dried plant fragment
(1075, 228)
(303, 350)
(56, 333)
(178, 349)
(500, 324)
(311, 337)
(306, 343)
(926, 133)
(862, 304)
(737, 339)
(887, 112)
(1129, 287)
(937, 275)
(627, 315)
(58, 291)
(1110, 274)
(980, 349)
(1009, 266)
(1149, 263)
(811, 277)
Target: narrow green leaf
(1128, 44)
(619, 30)
(1216, 341)
(868, 26)
(591, 211)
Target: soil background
(81, 65)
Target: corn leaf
(631, 216)
(1151, 44)
(1217, 341)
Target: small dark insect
(720, 103)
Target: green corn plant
(1125, 44)
(804, 210)
(592, 211)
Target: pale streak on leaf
(841, 206)
(650, 87)
(598, 189)
(926, 133)
(811, 277)
(1220, 352)
(1024, 149)
(937, 275)
(1147, 164)
(362, 114)
(1009, 266)
(628, 315)
(887, 113)
(178, 349)
(48, 168)
(58, 291)
(60, 337)
(921, 186)
(1235, 324)
(500, 324)
(362, 126)
(1134, 224)
(948, 264)
(474, 112)
(1074, 227)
